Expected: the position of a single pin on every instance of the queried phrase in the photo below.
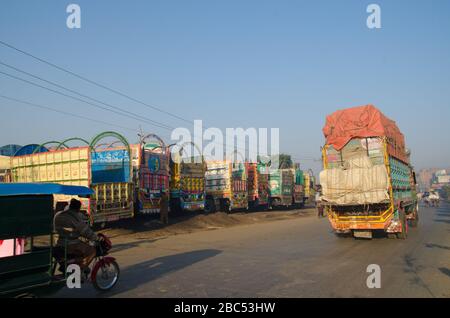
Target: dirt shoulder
(150, 227)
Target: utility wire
(94, 82)
(63, 112)
(134, 116)
(160, 125)
(75, 115)
(82, 95)
(80, 100)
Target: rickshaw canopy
(10, 189)
(26, 209)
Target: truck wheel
(210, 206)
(255, 206)
(404, 233)
(226, 207)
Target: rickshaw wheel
(115, 271)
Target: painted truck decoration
(106, 171)
(226, 186)
(287, 187)
(187, 181)
(153, 174)
(257, 185)
(368, 183)
(298, 195)
(281, 188)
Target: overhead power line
(94, 82)
(40, 106)
(122, 113)
(64, 112)
(84, 96)
(117, 110)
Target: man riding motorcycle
(73, 230)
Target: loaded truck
(106, 171)
(298, 192)
(187, 182)
(152, 176)
(257, 185)
(226, 186)
(368, 183)
(310, 185)
(287, 188)
(281, 188)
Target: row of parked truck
(367, 183)
(130, 179)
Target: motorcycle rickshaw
(28, 261)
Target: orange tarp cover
(364, 122)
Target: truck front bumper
(193, 206)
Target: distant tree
(446, 192)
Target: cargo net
(356, 175)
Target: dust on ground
(149, 227)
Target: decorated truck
(298, 191)
(257, 185)
(187, 180)
(368, 183)
(310, 186)
(281, 188)
(152, 177)
(5, 169)
(226, 186)
(106, 171)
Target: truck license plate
(362, 234)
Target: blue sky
(283, 64)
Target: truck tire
(210, 206)
(255, 206)
(226, 206)
(403, 235)
(175, 207)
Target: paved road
(290, 258)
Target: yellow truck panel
(110, 202)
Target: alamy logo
(73, 276)
(73, 21)
(374, 19)
(374, 279)
(237, 145)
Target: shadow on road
(124, 246)
(445, 271)
(442, 221)
(145, 272)
(430, 245)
